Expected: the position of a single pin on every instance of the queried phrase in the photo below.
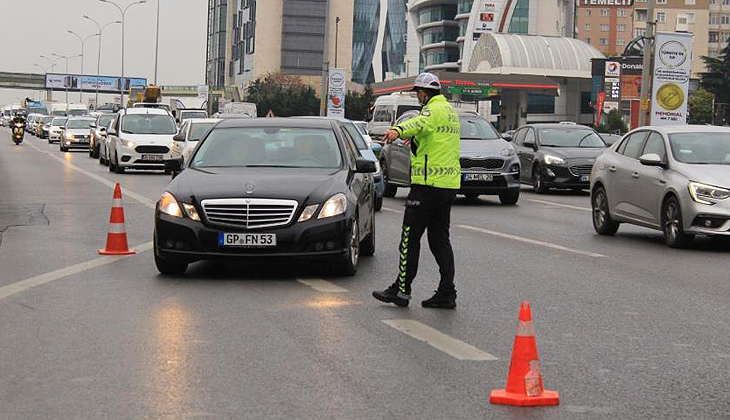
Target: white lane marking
(567, 206)
(323, 286)
(439, 340)
(533, 241)
(391, 210)
(125, 192)
(20, 286)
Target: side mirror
(174, 166)
(111, 131)
(365, 166)
(178, 137)
(652, 159)
(530, 145)
(92, 125)
(507, 136)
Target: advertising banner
(105, 84)
(599, 107)
(670, 83)
(488, 15)
(336, 92)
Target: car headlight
(168, 205)
(130, 144)
(70, 136)
(508, 151)
(553, 160)
(336, 205)
(308, 213)
(700, 192)
(192, 213)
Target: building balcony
(443, 66)
(442, 44)
(436, 24)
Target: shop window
(539, 103)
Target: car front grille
(152, 149)
(249, 213)
(479, 163)
(579, 170)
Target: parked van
(59, 110)
(387, 109)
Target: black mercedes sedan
(557, 155)
(268, 187)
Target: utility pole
(337, 36)
(157, 39)
(325, 62)
(646, 63)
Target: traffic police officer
(435, 178)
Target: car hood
(574, 152)
(306, 185)
(483, 148)
(154, 139)
(717, 175)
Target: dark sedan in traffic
(268, 187)
(557, 155)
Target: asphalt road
(626, 327)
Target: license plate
(249, 240)
(585, 178)
(479, 177)
(153, 158)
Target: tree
(357, 105)
(700, 107)
(717, 78)
(615, 123)
(285, 95)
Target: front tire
(388, 189)
(538, 182)
(673, 226)
(347, 264)
(509, 198)
(378, 203)
(602, 221)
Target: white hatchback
(140, 138)
(191, 131)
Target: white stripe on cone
(116, 228)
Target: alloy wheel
(671, 221)
(600, 209)
(354, 244)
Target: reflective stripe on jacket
(435, 147)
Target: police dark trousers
(427, 208)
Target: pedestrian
(435, 178)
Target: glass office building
(378, 40)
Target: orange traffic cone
(524, 381)
(116, 239)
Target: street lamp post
(81, 77)
(157, 39)
(98, 59)
(122, 11)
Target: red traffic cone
(116, 239)
(524, 381)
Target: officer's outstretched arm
(416, 126)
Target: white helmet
(427, 81)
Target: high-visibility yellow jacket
(435, 147)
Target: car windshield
(79, 123)
(570, 137)
(76, 112)
(198, 129)
(148, 124)
(701, 148)
(269, 147)
(46, 120)
(405, 108)
(59, 121)
(362, 127)
(104, 120)
(475, 128)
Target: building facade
(442, 33)
(607, 26)
(249, 38)
(379, 40)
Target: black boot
(444, 300)
(392, 295)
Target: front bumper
(706, 219)
(189, 240)
(501, 182)
(76, 143)
(558, 176)
(130, 158)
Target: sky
(30, 28)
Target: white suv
(140, 138)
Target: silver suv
(673, 178)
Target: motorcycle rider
(18, 118)
(435, 179)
